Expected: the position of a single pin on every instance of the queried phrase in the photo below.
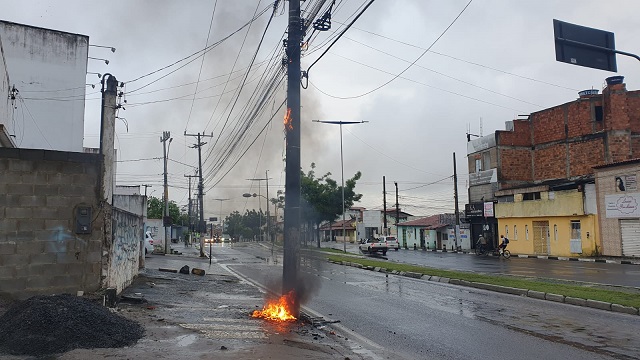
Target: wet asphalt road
(615, 274)
(416, 319)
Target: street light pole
(266, 178)
(344, 241)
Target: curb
(545, 257)
(594, 304)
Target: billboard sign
(584, 46)
(622, 205)
(372, 218)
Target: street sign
(584, 46)
(212, 219)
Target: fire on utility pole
(291, 261)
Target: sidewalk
(208, 317)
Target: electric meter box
(83, 220)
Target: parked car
(372, 246)
(148, 243)
(392, 242)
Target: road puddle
(186, 340)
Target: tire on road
(506, 254)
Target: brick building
(556, 147)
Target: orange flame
(287, 120)
(277, 309)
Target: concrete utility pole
(107, 135)
(291, 260)
(201, 227)
(166, 135)
(397, 211)
(384, 206)
(455, 196)
(189, 210)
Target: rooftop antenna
(480, 126)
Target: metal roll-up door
(630, 230)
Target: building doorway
(541, 237)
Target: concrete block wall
(40, 252)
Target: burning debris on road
(44, 325)
(281, 309)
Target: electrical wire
(202, 63)
(396, 76)
(465, 61)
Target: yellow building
(555, 220)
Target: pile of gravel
(44, 325)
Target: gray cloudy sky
(415, 123)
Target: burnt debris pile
(44, 325)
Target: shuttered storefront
(630, 230)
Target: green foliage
(323, 196)
(155, 210)
(247, 225)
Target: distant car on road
(148, 243)
(372, 246)
(392, 242)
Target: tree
(155, 210)
(323, 198)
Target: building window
(515, 232)
(506, 230)
(486, 160)
(555, 232)
(531, 196)
(478, 165)
(575, 229)
(598, 113)
(526, 232)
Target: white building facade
(48, 68)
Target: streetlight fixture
(338, 122)
(106, 47)
(248, 195)
(105, 60)
(266, 178)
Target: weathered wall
(606, 187)
(135, 204)
(5, 104)
(40, 252)
(124, 259)
(43, 60)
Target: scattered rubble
(45, 325)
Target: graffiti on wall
(125, 252)
(61, 240)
